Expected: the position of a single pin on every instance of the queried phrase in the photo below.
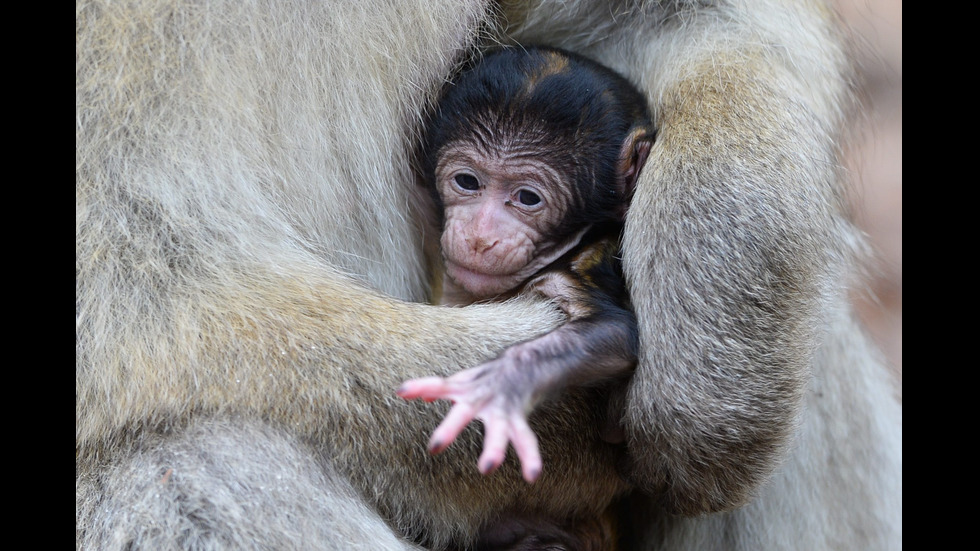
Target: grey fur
(249, 257)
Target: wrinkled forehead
(495, 137)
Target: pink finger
(428, 388)
(526, 445)
(447, 431)
(494, 445)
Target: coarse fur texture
(249, 266)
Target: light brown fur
(249, 266)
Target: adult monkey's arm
(232, 160)
(739, 254)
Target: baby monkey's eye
(528, 198)
(467, 182)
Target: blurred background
(875, 161)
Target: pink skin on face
(499, 213)
(487, 247)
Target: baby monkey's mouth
(482, 285)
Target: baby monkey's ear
(632, 156)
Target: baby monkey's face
(501, 210)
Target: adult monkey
(233, 389)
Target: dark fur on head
(550, 103)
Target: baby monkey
(532, 156)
